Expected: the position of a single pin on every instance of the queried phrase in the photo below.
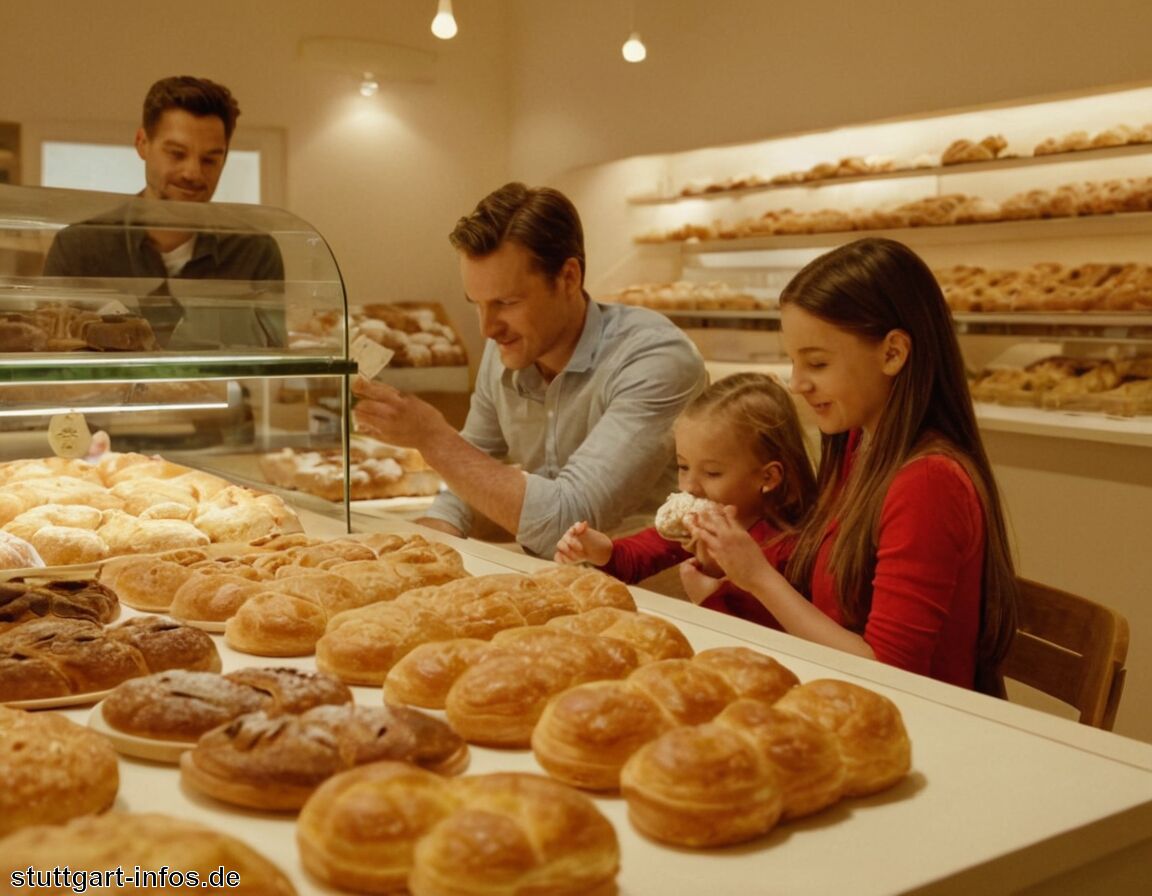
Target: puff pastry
(586, 734)
(362, 645)
(388, 827)
(733, 778)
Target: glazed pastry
(361, 645)
(275, 622)
(276, 762)
(873, 742)
(53, 770)
(731, 779)
(389, 827)
(586, 734)
(699, 786)
(16, 553)
(424, 675)
(120, 840)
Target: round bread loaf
(53, 770)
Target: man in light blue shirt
(571, 418)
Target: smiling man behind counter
(574, 401)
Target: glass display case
(212, 366)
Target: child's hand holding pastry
(731, 549)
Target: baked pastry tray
(151, 748)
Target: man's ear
(896, 348)
(141, 140)
(570, 276)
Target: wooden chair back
(1070, 648)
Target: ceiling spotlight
(369, 85)
(634, 49)
(444, 24)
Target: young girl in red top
(905, 556)
(739, 443)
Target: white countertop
(1000, 797)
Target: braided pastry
(389, 827)
(361, 645)
(731, 779)
(587, 733)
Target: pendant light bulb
(369, 85)
(444, 24)
(634, 49)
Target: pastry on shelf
(76, 512)
(377, 470)
(960, 151)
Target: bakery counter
(1000, 798)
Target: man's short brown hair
(199, 96)
(542, 220)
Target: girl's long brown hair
(758, 408)
(869, 288)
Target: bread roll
(145, 582)
(276, 622)
(386, 827)
(16, 553)
(53, 770)
(276, 762)
(154, 843)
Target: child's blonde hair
(757, 407)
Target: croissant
(276, 762)
(587, 733)
(732, 779)
(388, 827)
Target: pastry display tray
(980, 800)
